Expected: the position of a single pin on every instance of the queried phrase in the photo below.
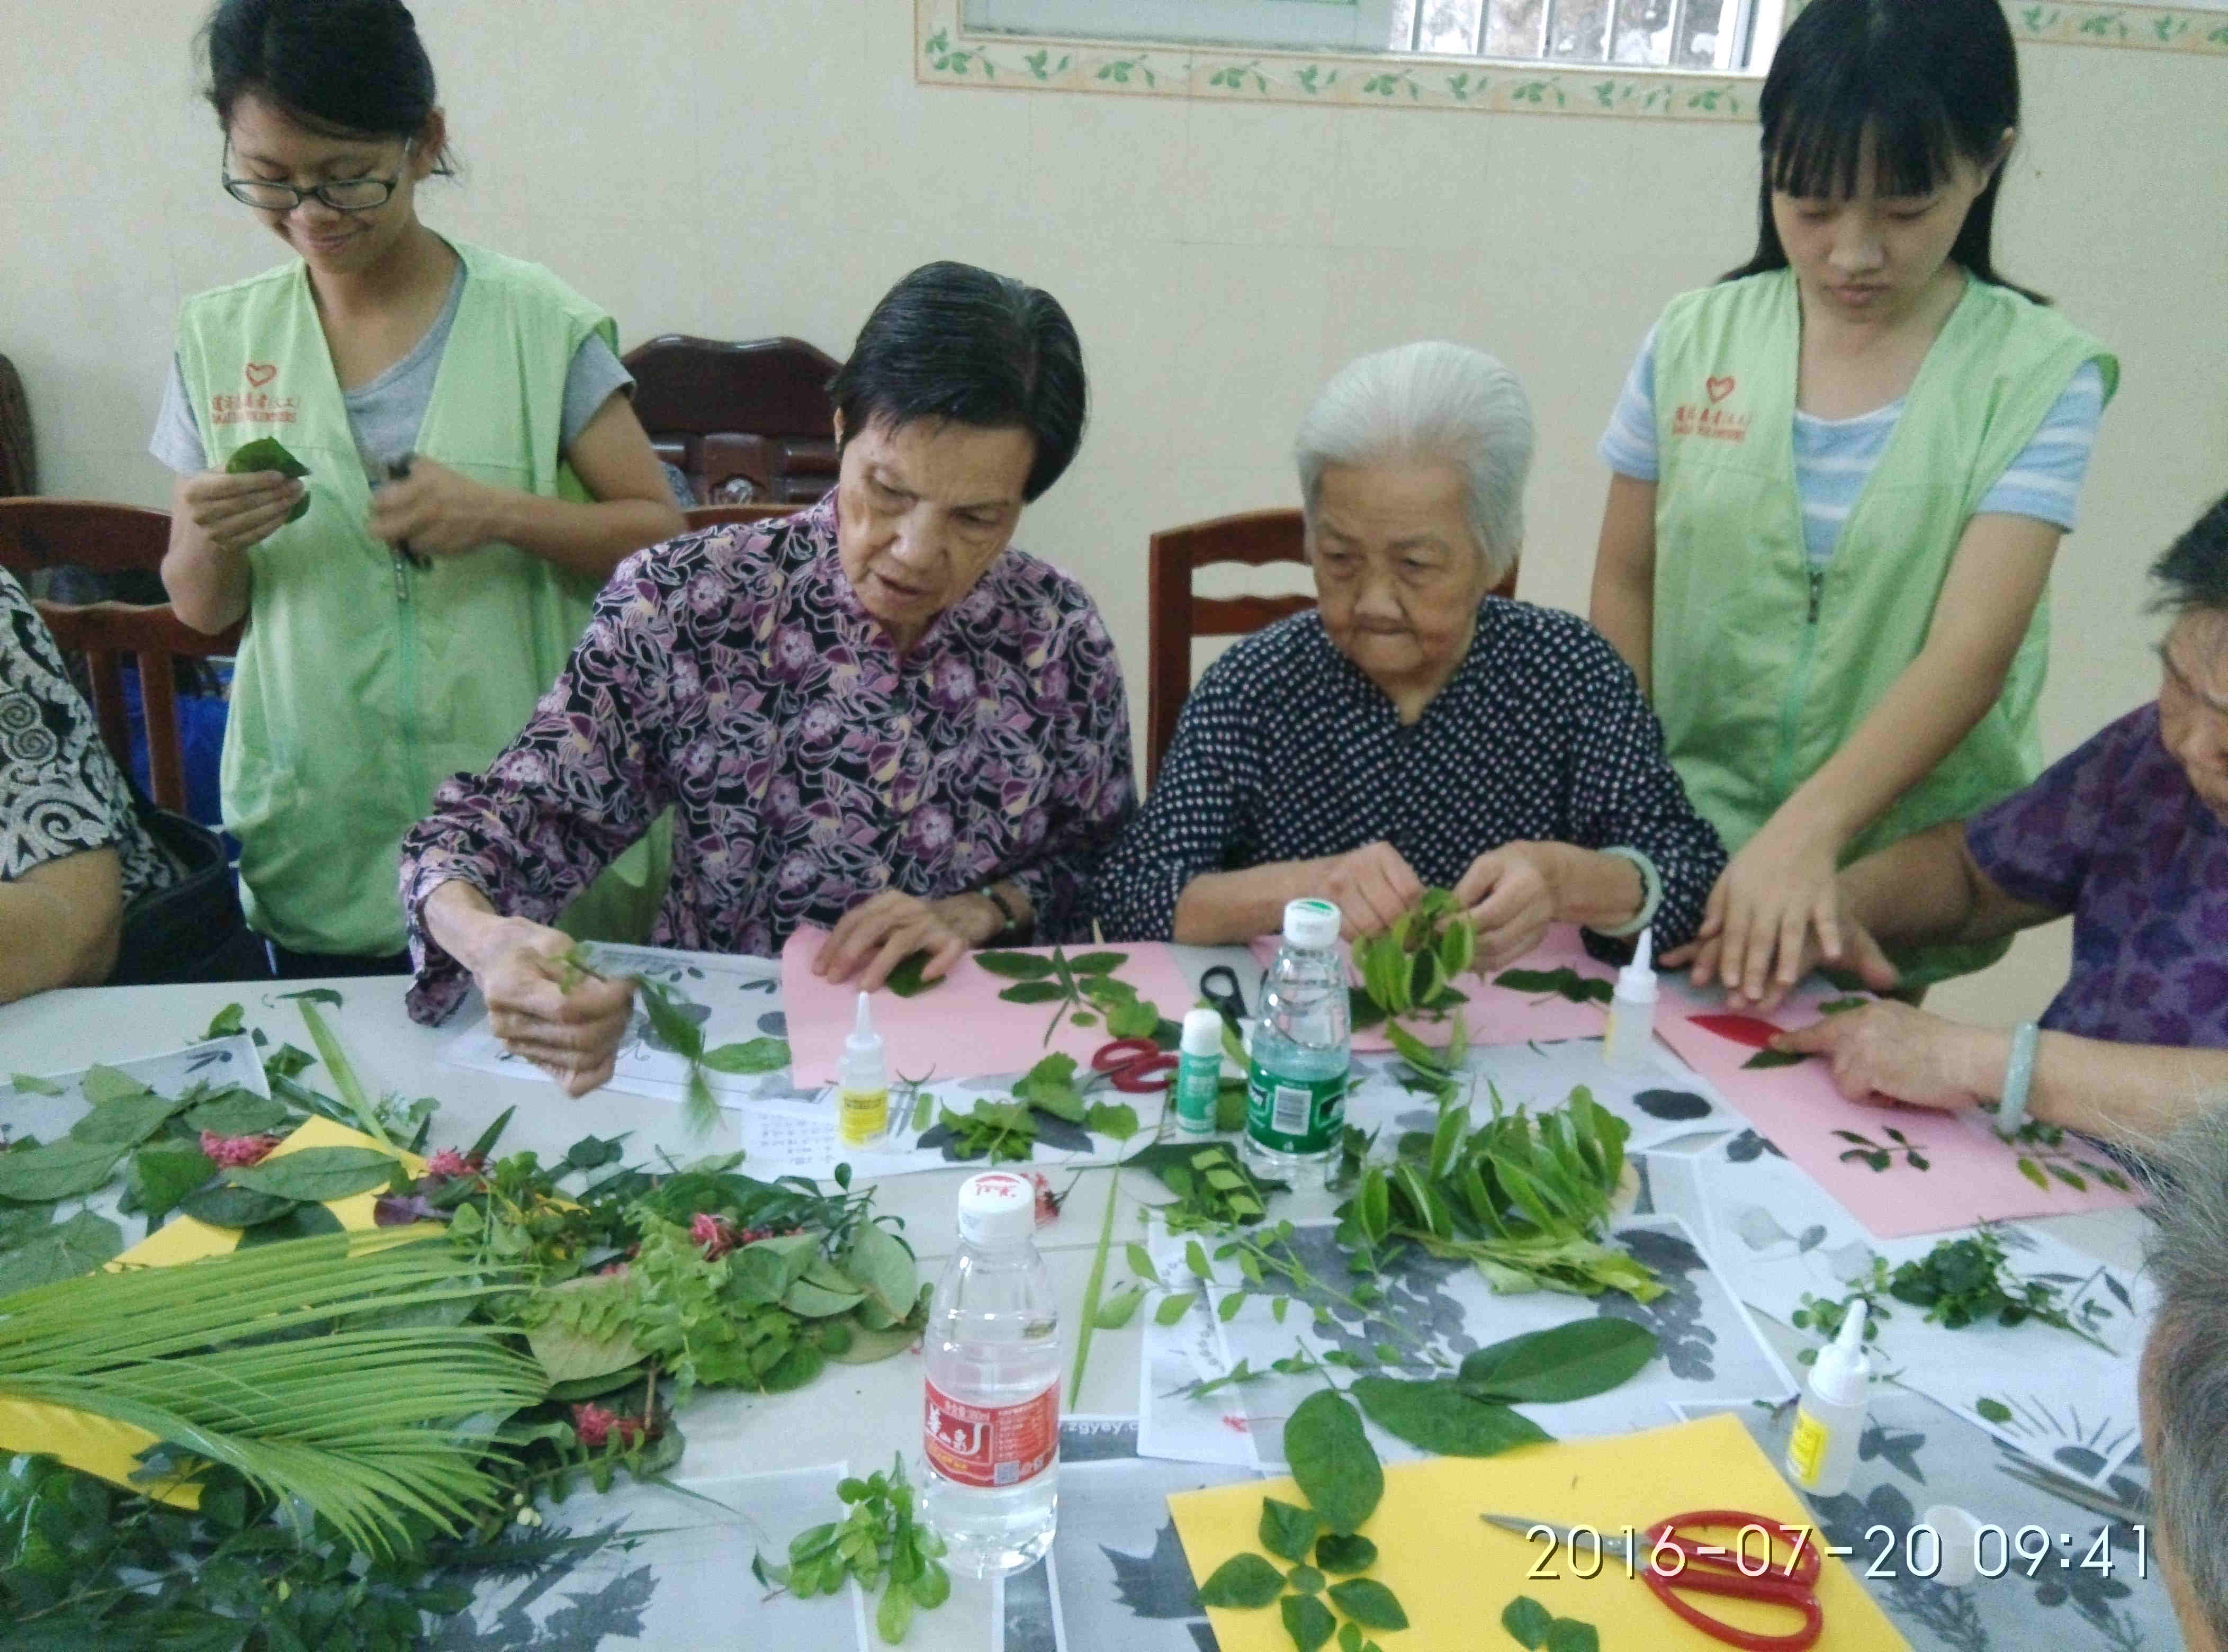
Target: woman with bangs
(1841, 477)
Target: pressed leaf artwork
(1882, 1155)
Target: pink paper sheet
(1497, 1016)
(1971, 1176)
(961, 1029)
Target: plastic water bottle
(1295, 1081)
(990, 1429)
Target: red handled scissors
(1667, 1556)
(1136, 1067)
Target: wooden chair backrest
(757, 415)
(1176, 615)
(37, 533)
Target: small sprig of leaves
(1214, 1190)
(1881, 1155)
(994, 1131)
(1085, 989)
(1337, 1471)
(1533, 1626)
(2050, 1159)
(1408, 973)
(1970, 1281)
(880, 1537)
(1565, 984)
(679, 1032)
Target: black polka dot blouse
(1286, 752)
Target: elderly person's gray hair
(1422, 403)
(2185, 1366)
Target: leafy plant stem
(1094, 1285)
(344, 1074)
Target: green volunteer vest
(363, 682)
(1763, 668)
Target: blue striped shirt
(1833, 457)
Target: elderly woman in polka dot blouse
(1412, 732)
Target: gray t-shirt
(386, 413)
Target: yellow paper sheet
(1454, 1573)
(97, 1445)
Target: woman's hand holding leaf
(1511, 901)
(235, 511)
(567, 1023)
(1373, 887)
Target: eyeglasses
(349, 195)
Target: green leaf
(317, 1174)
(225, 1206)
(1369, 1604)
(1350, 1638)
(237, 1112)
(30, 1083)
(1306, 1579)
(758, 1055)
(2033, 1172)
(1995, 1410)
(128, 1120)
(905, 979)
(303, 1221)
(1034, 992)
(228, 1023)
(895, 1615)
(1115, 1119)
(1527, 1622)
(1286, 1529)
(1330, 1457)
(675, 1028)
(1119, 1308)
(571, 1355)
(265, 453)
(1141, 1262)
(161, 1177)
(1243, 1582)
(1340, 1553)
(1015, 966)
(1307, 1620)
(1441, 1418)
(881, 1265)
(1172, 1309)
(1568, 1634)
(1573, 1361)
(317, 996)
(63, 1251)
(1774, 1059)
(38, 1176)
(102, 1085)
(1842, 1006)
(1100, 963)
(1136, 1019)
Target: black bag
(192, 929)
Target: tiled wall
(741, 168)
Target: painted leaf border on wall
(946, 54)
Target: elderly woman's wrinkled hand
(1891, 1052)
(1862, 955)
(571, 1034)
(1374, 887)
(1511, 898)
(878, 934)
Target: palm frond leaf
(274, 1362)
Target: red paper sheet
(1498, 1015)
(1969, 1174)
(960, 1029)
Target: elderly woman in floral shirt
(870, 715)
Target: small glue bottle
(862, 1094)
(1199, 1072)
(1832, 1414)
(1632, 1011)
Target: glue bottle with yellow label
(1823, 1451)
(862, 1093)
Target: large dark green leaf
(317, 1174)
(63, 1251)
(161, 1177)
(1099, 963)
(303, 1222)
(758, 1055)
(1441, 1418)
(1245, 1582)
(676, 1029)
(1342, 1552)
(906, 981)
(1308, 1621)
(127, 1120)
(1572, 1361)
(103, 1085)
(1034, 992)
(228, 1206)
(1369, 1604)
(1286, 1529)
(1330, 1457)
(1528, 1623)
(237, 1112)
(1015, 966)
(57, 1171)
(265, 453)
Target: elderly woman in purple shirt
(871, 715)
(2128, 836)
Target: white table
(859, 1413)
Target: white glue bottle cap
(1843, 1368)
(1202, 1033)
(863, 1072)
(1637, 981)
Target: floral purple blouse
(732, 674)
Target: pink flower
(1049, 1202)
(595, 1425)
(233, 1151)
(448, 1164)
(716, 1235)
(1236, 1423)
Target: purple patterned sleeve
(1094, 796)
(2037, 844)
(569, 794)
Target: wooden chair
(1176, 614)
(725, 515)
(746, 423)
(37, 533)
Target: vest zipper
(1798, 690)
(406, 699)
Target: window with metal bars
(1717, 35)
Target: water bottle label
(1294, 1115)
(991, 1446)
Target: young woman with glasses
(474, 472)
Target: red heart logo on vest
(261, 373)
(1719, 389)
